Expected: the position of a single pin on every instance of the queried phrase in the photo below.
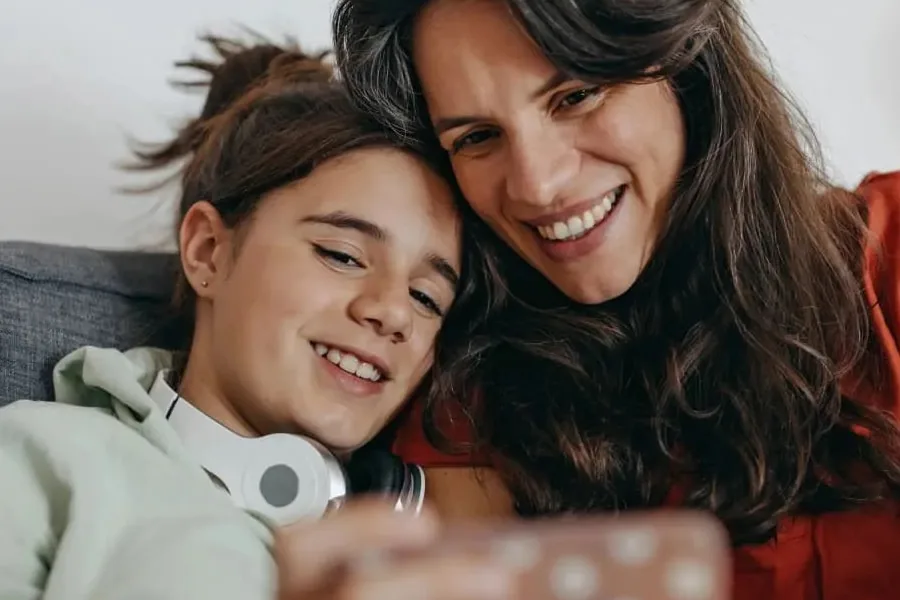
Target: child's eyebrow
(444, 269)
(344, 220)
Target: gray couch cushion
(54, 299)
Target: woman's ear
(204, 243)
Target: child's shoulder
(126, 510)
(62, 423)
(68, 438)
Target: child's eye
(341, 259)
(426, 301)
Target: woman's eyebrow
(443, 124)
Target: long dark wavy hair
(726, 371)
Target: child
(321, 257)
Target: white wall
(77, 77)
(841, 58)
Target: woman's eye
(578, 96)
(341, 259)
(473, 138)
(426, 301)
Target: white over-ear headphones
(284, 477)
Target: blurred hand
(316, 560)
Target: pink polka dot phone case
(634, 556)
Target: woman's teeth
(579, 225)
(349, 363)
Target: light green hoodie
(98, 500)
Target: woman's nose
(541, 163)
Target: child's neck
(195, 387)
(203, 394)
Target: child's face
(326, 303)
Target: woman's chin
(582, 288)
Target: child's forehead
(398, 194)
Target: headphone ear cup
(375, 471)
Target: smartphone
(642, 555)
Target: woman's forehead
(474, 48)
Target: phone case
(664, 555)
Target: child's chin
(342, 444)
(337, 429)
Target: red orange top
(850, 555)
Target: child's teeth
(348, 362)
(365, 370)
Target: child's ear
(204, 243)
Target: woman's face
(576, 178)
(322, 310)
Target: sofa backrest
(54, 299)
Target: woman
(302, 225)
(703, 319)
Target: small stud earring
(204, 284)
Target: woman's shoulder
(881, 194)
(842, 554)
(412, 444)
(883, 180)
